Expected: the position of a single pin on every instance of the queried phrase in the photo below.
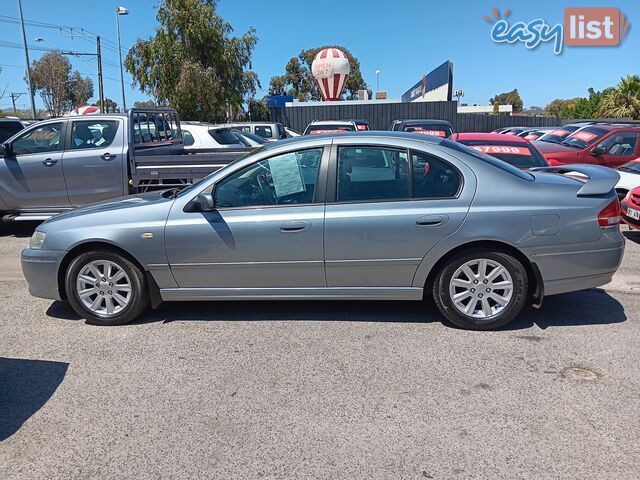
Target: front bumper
(40, 268)
(632, 222)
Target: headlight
(37, 239)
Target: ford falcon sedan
(349, 216)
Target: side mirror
(598, 150)
(204, 201)
(6, 150)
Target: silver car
(355, 216)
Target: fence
(381, 114)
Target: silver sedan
(362, 216)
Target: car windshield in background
(435, 130)
(518, 154)
(224, 137)
(9, 129)
(584, 137)
(255, 138)
(559, 134)
(320, 129)
(630, 167)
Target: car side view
(351, 216)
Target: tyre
(106, 288)
(481, 290)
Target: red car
(510, 148)
(610, 145)
(631, 208)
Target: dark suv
(9, 127)
(436, 128)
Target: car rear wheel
(106, 288)
(481, 290)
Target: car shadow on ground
(25, 386)
(23, 229)
(632, 235)
(587, 307)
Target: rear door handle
(107, 156)
(49, 162)
(291, 227)
(432, 220)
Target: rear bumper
(580, 268)
(40, 268)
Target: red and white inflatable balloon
(330, 70)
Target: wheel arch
(534, 277)
(88, 247)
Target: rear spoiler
(600, 181)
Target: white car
(200, 136)
(291, 132)
(330, 126)
(629, 177)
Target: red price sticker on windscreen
(327, 130)
(584, 136)
(531, 136)
(559, 133)
(362, 127)
(503, 149)
(435, 133)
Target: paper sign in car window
(286, 175)
(327, 130)
(424, 131)
(584, 136)
(559, 132)
(502, 149)
(531, 136)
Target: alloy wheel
(104, 287)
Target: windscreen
(559, 134)
(434, 129)
(326, 128)
(585, 137)
(517, 154)
(631, 167)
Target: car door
(266, 230)
(391, 206)
(620, 148)
(31, 176)
(95, 160)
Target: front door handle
(107, 156)
(49, 162)
(291, 227)
(432, 220)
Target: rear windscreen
(320, 129)
(519, 155)
(435, 130)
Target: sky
(404, 39)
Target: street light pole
(121, 11)
(26, 56)
(377, 80)
(100, 89)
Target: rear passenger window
(433, 178)
(187, 138)
(372, 173)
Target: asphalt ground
(320, 389)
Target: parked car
(290, 132)
(531, 134)
(436, 128)
(511, 130)
(631, 208)
(9, 127)
(199, 136)
(318, 127)
(362, 125)
(514, 150)
(248, 139)
(559, 134)
(271, 131)
(604, 144)
(351, 216)
(629, 177)
(61, 163)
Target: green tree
(509, 98)
(145, 104)
(193, 63)
(298, 80)
(258, 111)
(60, 89)
(623, 100)
(496, 108)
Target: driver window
(621, 144)
(39, 140)
(287, 179)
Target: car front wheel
(106, 288)
(481, 290)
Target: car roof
(615, 126)
(332, 122)
(423, 120)
(488, 137)
(383, 134)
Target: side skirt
(321, 293)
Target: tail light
(609, 216)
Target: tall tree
(623, 100)
(298, 79)
(81, 89)
(145, 104)
(509, 98)
(192, 63)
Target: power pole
(14, 96)
(26, 56)
(101, 93)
